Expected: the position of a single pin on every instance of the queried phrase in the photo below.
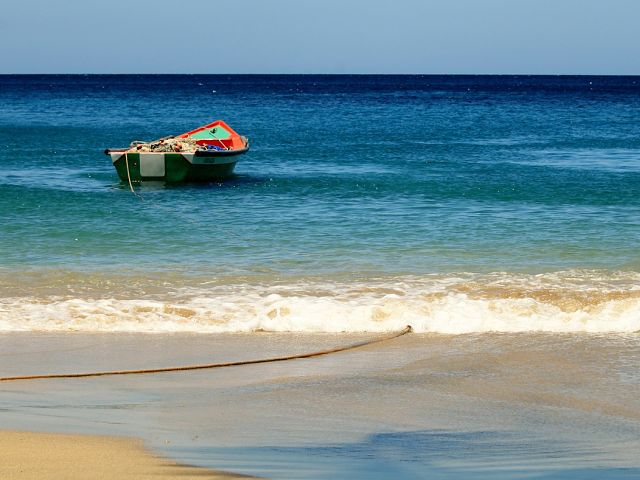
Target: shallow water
(487, 406)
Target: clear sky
(327, 36)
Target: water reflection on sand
(488, 406)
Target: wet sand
(421, 406)
(35, 456)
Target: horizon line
(339, 74)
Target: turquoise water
(381, 180)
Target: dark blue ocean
(497, 215)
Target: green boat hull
(172, 167)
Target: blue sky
(328, 36)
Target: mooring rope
(126, 161)
(151, 203)
(319, 353)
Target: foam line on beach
(449, 305)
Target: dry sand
(27, 456)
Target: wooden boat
(206, 153)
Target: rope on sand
(319, 353)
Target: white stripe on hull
(152, 165)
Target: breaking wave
(577, 301)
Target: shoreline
(34, 455)
(437, 405)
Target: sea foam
(559, 302)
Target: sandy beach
(29, 455)
(419, 406)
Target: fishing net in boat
(167, 145)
